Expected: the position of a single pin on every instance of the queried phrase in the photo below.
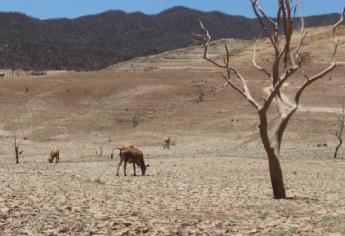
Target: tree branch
(257, 12)
(286, 119)
(255, 63)
(244, 91)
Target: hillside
(161, 89)
(97, 41)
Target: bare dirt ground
(214, 179)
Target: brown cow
(131, 154)
(54, 154)
(167, 141)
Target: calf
(166, 143)
(131, 154)
(54, 154)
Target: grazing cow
(54, 154)
(131, 154)
(166, 143)
(124, 146)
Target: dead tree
(286, 62)
(100, 148)
(135, 121)
(201, 94)
(17, 153)
(340, 130)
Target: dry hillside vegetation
(213, 179)
(93, 42)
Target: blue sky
(45, 9)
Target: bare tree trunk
(275, 169)
(16, 150)
(337, 148)
(16, 147)
(276, 177)
(340, 131)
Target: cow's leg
(124, 168)
(118, 167)
(134, 169)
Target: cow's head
(143, 168)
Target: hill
(97, 41)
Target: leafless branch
(255, 63)
(257, 12)
(244, 91)
(302, 36)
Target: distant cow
(166, 143)
(54, 154)
(131, 154)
